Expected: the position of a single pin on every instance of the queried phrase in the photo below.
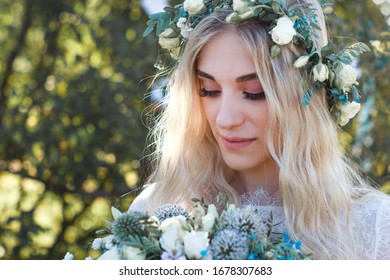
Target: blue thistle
(170, 210)
(229, 244)
(127, 225)
(245, 220)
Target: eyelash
(214, 93)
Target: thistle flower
(229, 244)
(243, 219)
(170, 210)
(127, 225)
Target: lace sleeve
(383, 231)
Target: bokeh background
(73, 78)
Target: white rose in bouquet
(177, 223)
(196, 244)
(112, 254)
(283, 32)
(346, 76)
(193, 7)
(133, 253)
(171, 242)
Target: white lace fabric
(370, 219)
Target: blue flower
(170, 210)
(245, 220)
(298, 245)
(286, 237)
(229, 244)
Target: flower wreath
(287, 25)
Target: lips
(235, 143)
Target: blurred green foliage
(72, 77)
(72, 80)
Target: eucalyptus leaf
(307, 97)
(275, 51)
(157, 15)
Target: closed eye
(209, 93)
(254, 96)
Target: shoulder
(371, 224)
(141, 202)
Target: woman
(234, 123)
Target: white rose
(347, 112)
(343, 120)
(185, 32)
(283, 32)
(212, 210)
(320, 72)
(111, 254)
(177, 223)
(346, 76)
(181, 23)
(175, 52)
(168, 43)
(208, 222)
(172, 243)
(239, 5)
(196, 244)
(133, 253)
(302, 61)
(193, 6)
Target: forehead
(225, 56)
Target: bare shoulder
(140, 203)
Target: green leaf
(355, 93)
(157, 15)
(148, 30)
(307, 97)
(275, 51)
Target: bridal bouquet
(173, 234)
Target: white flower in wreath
(239, 5)
(196, 244)
(283, 32)
(133, 253)
(193, 7)
(348, 112)
(321, 72)
(181, 23)
(168, 40)
(346, 76)
(301, 61)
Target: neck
(265, 177)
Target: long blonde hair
(317, 182)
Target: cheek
(210, 110)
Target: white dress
(370, 219)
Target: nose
(229, 113)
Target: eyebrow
(248, 77)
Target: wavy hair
(317, 182)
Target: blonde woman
(235, 121)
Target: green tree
(72, 77)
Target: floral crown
(295, 24)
